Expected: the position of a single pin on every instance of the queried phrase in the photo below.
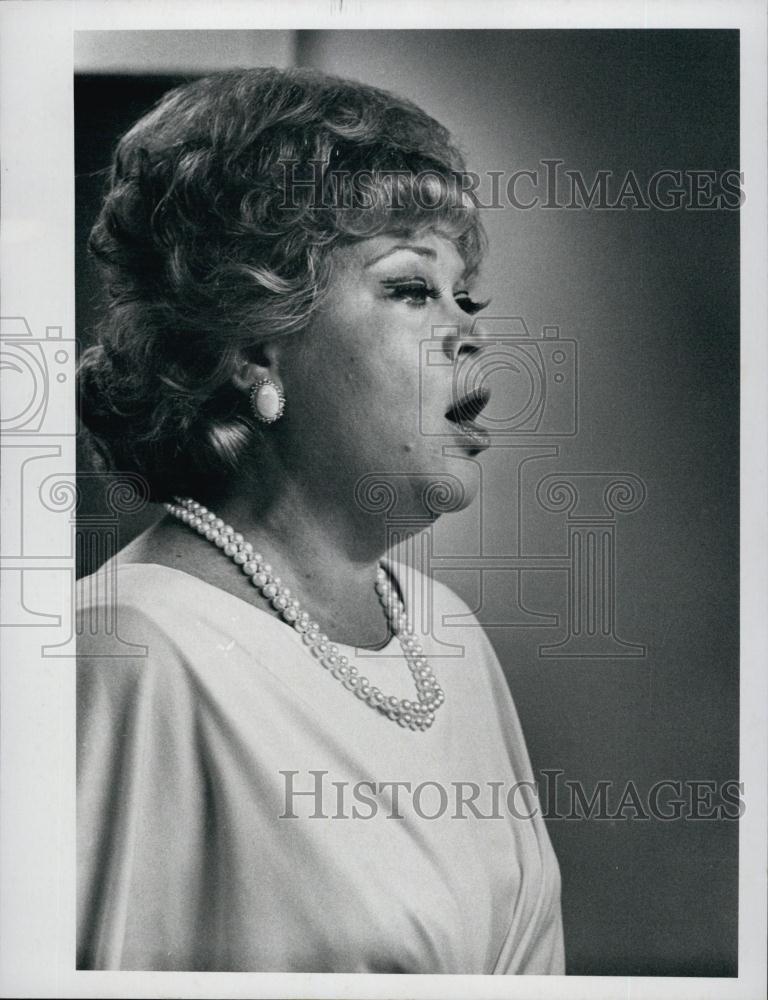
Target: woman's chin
(449, 492)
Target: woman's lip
(469, 407)
(477, 437)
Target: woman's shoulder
(138, 587)
(176, 616)
(124, 604)
(124, 610)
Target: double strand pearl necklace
(416, 715)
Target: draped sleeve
(138, 774)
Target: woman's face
(369, 384)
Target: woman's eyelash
(412, 290)
(417, 292)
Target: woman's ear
(257, 377)
(256, 363)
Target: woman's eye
(414, 292)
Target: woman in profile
(277, 246)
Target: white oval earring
(267, 401)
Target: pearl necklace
(415, 715)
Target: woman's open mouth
(464, 414)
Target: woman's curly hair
(223, 204)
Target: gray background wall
(652, 299)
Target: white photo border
(37, 739)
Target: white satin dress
(186, 857)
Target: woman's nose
(466, 349)
(463, 339)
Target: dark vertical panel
(105, 107)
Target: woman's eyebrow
(421, 251)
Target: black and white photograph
(384, 500)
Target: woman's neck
(328, 562)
